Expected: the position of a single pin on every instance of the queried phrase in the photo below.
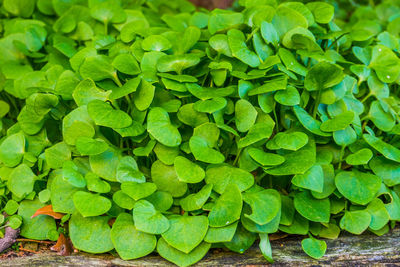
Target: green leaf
(227, 208)
(382, 119)
(210, 105)
(313, 179)
(313, 247)
(221, 176)
(241, 241)
(12, 149)
(288, 97)
(323, 75)
(86, 91)
(219, 43)
(41, 227)
(203, 152)
(323, 12)
(105, 164)
(97, 68)
(177, 63)
(387, 150)
(156, 43)
(356, 221)
(379, 215)
(147, 219)
(316, 210)
(89, 146)
(180, 258)
(159, 126)
(221, 234)
(90, 205)
(186, 232)
(196, 201)
(72, 175)
(62, 193)
(123, 200)
(385, 63)
(90, 234)
(127, 64)
(357, 186)
(95, 184)
(167, 180)
(296, 162)
(245, 115)
(188, 171)
(265, 247)
(237, 44)
(361, 157)
(104, 115)
(57, 155)
(144, 95)
(128, 241)
(129, 87)
(138, 190)
(128, 171)
(308, 122)
(337, 123)
(264, 158)
(21, 180)
(290, 140)
(388, 170)
(221, 20)
(269, 34)
(265, 205)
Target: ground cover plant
(150, 125)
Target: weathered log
(364, 250)
(10, 236)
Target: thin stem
(341, 157)
(116, 79)
(237, 156)
(336, 40)
(317, 100)
(276, 120)
(366, 97)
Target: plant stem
(341, 157)
(317, 100)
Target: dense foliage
(153, 126)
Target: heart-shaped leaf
(186, 232)
(147, 219)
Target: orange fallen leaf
(63, 246)
(48, 210)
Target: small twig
(33, 240)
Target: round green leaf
(166, 179)
(313, 247)
(356, 221)
(264, 204)
(221, 176)
(90, 205)
(159, 126)
(103, 114)
(357, 186)
(12, 149)
(316, 210)
(186, 232)
(227, 208)
(188, 171)
(147, 219)
(181, 258)
(128, 241)
(90, 234)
